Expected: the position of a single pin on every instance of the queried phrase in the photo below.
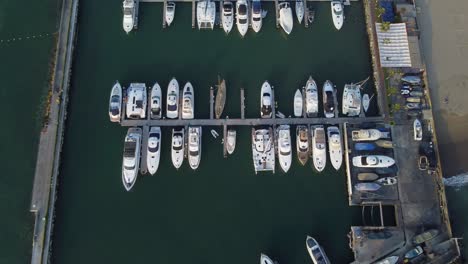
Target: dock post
(186, 136)
(137, 7)
(306, 14)
(123, 112)
(273, 101)
(242, 104)
(224, 140)
(211, 102)
(304, 107)
(144, 147)
(164, 13)
(193, 13)
(335, 101)
(221, 3)
(277, 13)
(181, 98)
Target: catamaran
(136, 101)
(206, 14)
(337, 14)
(316, 252)
(177, 149)
(311, 98)
(256, 21)
(242, 16)
(302, 144)
(154, 149)
(298, 103)
(131, 157)
(172, 110)
(266, 100)
(285, 17)
(328, 99)
(170, 12)
(284, 147)
(194, 146)
(156, 103)
(227, 16)
(334, 147)
(263, 149)
(319, 152)
(115, 103)
(188, 102)
(129, 15)
(352, 100)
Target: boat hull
(286, 17)
(227, 17)
(188, 102)
(373, 161)
(284, 147)
(177, 148)
(231, 141)
(131, 157)
(194, 144)
(337, 19)
(328, 99)
(311, 98)
(115, 103)
(242, 18)
(300, 10)
(319, 148)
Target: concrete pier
(144, 153)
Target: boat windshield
(194, 153)
(242, 10)
(243, 21)
(285, 153)
(154, 149)
(115, 99)
(172, 107)
(129, 167)
(128, 11)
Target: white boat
(156, 102)
(136, 101)
(227, 16)
(266, 101)
(115, 103)
(388, 260)
(284, 147)
(368, 134)
(335, 148)
(302, 144)
(129, 15)
(351, 100)
(177, 147)
(131, 157)
(172, 106)
(170, 12)
(311, 98)
(300, 10)
(154, 149)
(316, 252)
(242, 16)
(365, 102)
(387, 181)
(256, 16)
(188, 102)
(214, 133)
(263, 149)
(194, 146)
(367, 186)
(417, 130)
(298, 103)
(264, 259)
(319, 152)
(373, 161)
(337, 14)
(206, 14)
(328, 99)
(286, 17)
(231, 141)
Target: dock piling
(164, 14)
(211, 102)
(273, 101)
(224, 140)
(144, 147)
(193, 13)
(277, 13)
(242, 103)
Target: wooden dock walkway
(144, 147)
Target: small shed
(393, 45)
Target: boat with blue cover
(364, 146)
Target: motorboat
(206, 14)
(316, 252)
(302, 144)
(367, 186)
(231, 141)
(227, 16)
(386, 181)
(413, 253)
(351, 100)
(154, 149)
(284, 147)
(263, 149)
(266, 101)
(115, 103)
(328, 99)
(131, 157)
(188, 102)
(172, 107)
(300, 10)
(170, 12)
(384, 143)
(311, 98)
(373, 161)
(319, 148)
(388, 260)
(220, 99)
(256, 17)
(194, 146)
(156, 102)
(413, 99)
(177, 147)
(367, 176)
(264, 259)
(242, 16)
(426, 236)
(335, 148)
(285, 17)
(337, 14)
(417, 130)
(129, 15)
(364, 146)
(136, 101)
(298, 103)
(411, 79)
(368, 134)
(365, 102)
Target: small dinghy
(367, 186)
(364, 146)
(214, 133)
(298, 103)
(365, 102)
(387, 181)
(367, 176)
(417, 130)
(384, 143)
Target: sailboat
(337, 14)
(206, 14)
(220, 99)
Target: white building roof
(393, 45)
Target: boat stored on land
(298, 103)
(319, 152)
(266, 101)
(384, 143)
(172, 108)
(417, 130)
(154, 149)
(367, 176)
(131, 157)
(351, 100)
(263, 149)
(337, 14)
(367, 186)
(364, 146)
(426, 236)
(373, 161)
(170, 12)
(285, 17)
(284, 147)
(368, 134)
(316, 252)
(328, 99)
(300, 10)
(194, 146)
(335, 147)
(188, 102)
(206, 14)
(311, 98)
(136, 101)
(242, 16)
(231, 141)
(256, 17)
(387, 181)
(302, 144)
(115, 103)
(129, 15)
(220, 99)
(156, 103)
(177, 149)
(227, 16)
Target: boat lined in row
(115, 103)
(129, 15)
(170, 13)
(286, 17)
(136, 101)
(227, 16)
(266, 101)
(131, 157)
(177, 147)
(154, 149)
(284, 147)
(194, 146)
(156, 102)
(206, 14)
(319, 148)
(302, 144)
(337, 14)
(242, 16)
(263, 149)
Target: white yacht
(337, 14)
(286, 17)
(136, 101)
(206, 14)
(316, 252)
(129, 15)
(231, 141)
(188, 102)
(373, 161)
(263, 149)
(154, 149)
(328, 99)
(227, 16)
(284, 147)
(298, 103)
(266, 101)
(177, 148)
(302, 144)
(264, 259)
(300, 10)
(368, 134)
(311, 98)
(352, 100)
(417, 130)
(131, 157)
(335, 148)
(172, 110)
(170, 12)
(242, 16)
(156, 103)
(256, 16)
(319, 152)
(115, 103)
(194, 146)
